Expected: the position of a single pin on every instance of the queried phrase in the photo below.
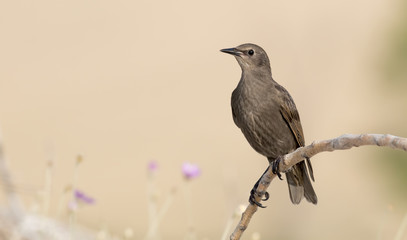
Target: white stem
(164, 209)
(152, 206)
(47, 187)
(72, 217)
(188, 207)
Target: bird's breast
(261, 122)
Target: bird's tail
(299, 183)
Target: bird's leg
(275, 167)
(252, 198)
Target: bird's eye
(250, 52)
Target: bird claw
(253, 200)
(266, 196)
(275, 167)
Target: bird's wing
(290, 114)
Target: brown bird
(268, 118)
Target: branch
(343, 142)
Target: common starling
(266, 114)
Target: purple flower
(82, 197)
(190, 170)
(152, 166)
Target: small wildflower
(152, 166)
(190, 170)
(82, 197)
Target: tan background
(125, 82)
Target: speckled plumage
(268, 117)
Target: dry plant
(18, 224)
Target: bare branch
(343, 142)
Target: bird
(267, 116)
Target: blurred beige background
(126, 82)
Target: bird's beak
(232, 51)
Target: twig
(343, 142)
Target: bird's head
(250, 57)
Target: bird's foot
(275, 167)
(252, 198)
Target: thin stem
(153, 228)
(188, 205)
(48, 186)
(152, 232)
